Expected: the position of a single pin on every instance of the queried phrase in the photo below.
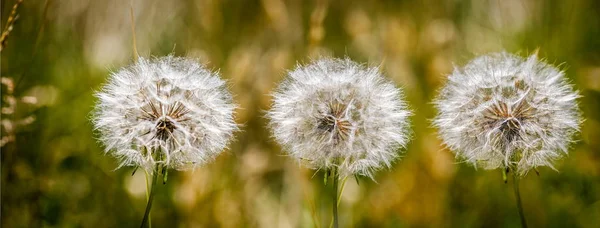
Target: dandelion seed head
(168, 110)
(337, 113)
(502, 110)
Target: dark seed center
(510, 129)
(508, 118)
(164, 128)
(334, 123)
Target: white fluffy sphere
(167, 110)
(504, 111)
(337, 113)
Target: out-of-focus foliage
(60, 52)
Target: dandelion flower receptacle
(502, 111)
(339, 116)
(164, 113)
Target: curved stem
(334, 175)
(339, 198)
(146, 220)
(148, 189)
(518, 196)
(341, 191)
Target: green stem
(148, 189)
(341, 191)
(334, 175)
(518, 196)
(339, 198)
(146, 220)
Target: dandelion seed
(170, 111)
(335, 113)
(504, 111)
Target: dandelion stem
(148, 189)
(518, 196)
(146, 220)
(339, 198)
(334, 175)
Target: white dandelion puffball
(504, 111)
(169, 110)
(337, 113)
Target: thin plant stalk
(146, 220)
(148, 189)
(518, 196)
(341, 191)
(334, 175)
(339, 198)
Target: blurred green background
(55, 174)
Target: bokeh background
(54, 173)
